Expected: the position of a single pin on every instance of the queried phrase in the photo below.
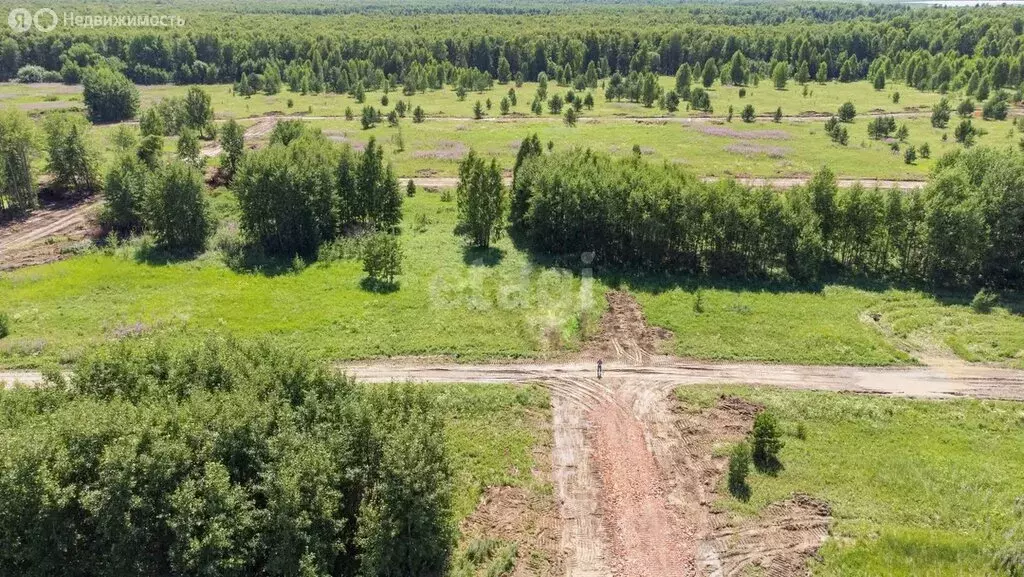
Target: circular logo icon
(45, 20)
(20, 19)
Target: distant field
(915, 487)
(762, 149)
(707, 148)
(821, 98)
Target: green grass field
(451, 301)
(760, 149)
(821, 98)
(717, 148)
(916, 487)
(830, 326)
(492, 431)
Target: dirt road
(439, 182)
(40, 237)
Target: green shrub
(177, 211)
(739, 467)
(382, 260)
(125, 192)
(5, 325)
(766, 439)
(504, 561)
(984, 301)
(108, 95)
(801, 431)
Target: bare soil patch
(750, 148)
(48, 233)
(726, 132)
(624, 332)
(445, 150)
(779, 541)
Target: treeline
(930, 48)
(966, 228)
(220, 458)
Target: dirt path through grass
(28, 241)
(440, 182)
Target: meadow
(915, 487)
(709, 147)
(451, 301)
(821, 99)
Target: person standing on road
(600, 368)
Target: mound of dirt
(624, 332)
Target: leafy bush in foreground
(220, 458)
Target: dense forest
(336, 49)
(220, 458)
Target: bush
(766, 439)
(177, 211)
(5, 325)
(382, 260)
(910, 155)
(31, 74)
(748, 113)
(220, 457)
(188, 149)
(286, 131)
(965, 133)
(739, 468)
(108, 95)
(984, 301)
(997, 107)
(847, 112)
(940, 114)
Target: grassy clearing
(451, 301)
(820, 98)
(492, 433)
(916, 487)
(830, 326)
(761, 149)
